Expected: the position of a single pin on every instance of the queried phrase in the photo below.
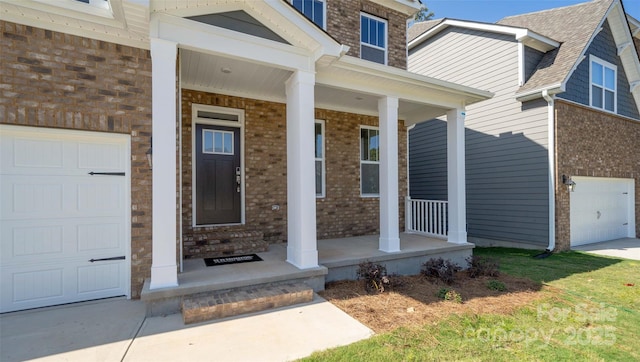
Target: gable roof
(574, 26)
(563, 34)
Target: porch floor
(338, 259)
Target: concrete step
(228, 303)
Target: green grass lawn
(588, 312)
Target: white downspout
(551, 122)
(180, 162)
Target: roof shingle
(572, 26)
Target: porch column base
(389, 245)
(163, 277)
(302, 259)
(459, 237)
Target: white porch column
(164, 271)
(302, 245)
(389, 212)
(456, 176)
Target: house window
(217, 142)
(320, 167)
(373, 39)
(603, 84)
(97, 3)
(312, 9)
(369, 161)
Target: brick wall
(52, 79)
(341, 213)
(343, 22)
(592, 143)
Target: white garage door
(602, 209)
(64, 234)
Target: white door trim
(195, 120)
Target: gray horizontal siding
(506, 141)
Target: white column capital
(299, 77)
(162, 47)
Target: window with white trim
(320, 164)
(369, 161)
(603, 80)
(373, 38)
(314, 10)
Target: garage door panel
(38, 240)
(41, 285)
(100, 157)
(55, 217)
(72, 196)
(99, 277)
(601, 209)
(31, 285)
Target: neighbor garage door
(601, 209)
(56, 218)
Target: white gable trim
(279, 16)
(218, 41)
(526, 36)
(621, 35)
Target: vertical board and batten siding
(506, 141)
(603, 47)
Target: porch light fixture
(149, 154)
(571, 185)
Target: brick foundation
(592, 143)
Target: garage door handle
(107, 259)
(107, 173)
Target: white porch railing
(427, 217)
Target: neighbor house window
(369, 161)
(320, 173)
(603, 84)
(312, 9)
(373, 39)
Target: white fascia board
(626, 47)
(78, 24)
(408, 7)
(528, 37)
(300, 23)
(537, 93)
(218, 41)
(349, 74)
(292, 26)
(404, 78)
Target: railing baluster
(429, 217)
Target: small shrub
(450, 295)
(444, 270)
(374, 276)
(496, 285)
(481, 266)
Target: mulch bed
(413, 300)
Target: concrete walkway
(627, 248)
(117, 330)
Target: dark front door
(218, 175)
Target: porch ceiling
(217, 74)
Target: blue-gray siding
(603, 47)
(506, 141)
(531, 59)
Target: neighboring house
(567, 94)
(141, 133)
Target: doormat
(234, 259)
